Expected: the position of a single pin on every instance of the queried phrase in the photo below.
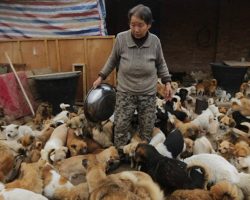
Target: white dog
(56, 141)
(14, 131)
(218, 169)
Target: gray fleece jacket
(138, 67)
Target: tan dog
(30, 178)
(124, 186)
(212, 87)
(71, 167)
(43, 112)
(226, 149)
(226, 122)
(78, 123)
(241, 149)
(221, 190)
(75, 144)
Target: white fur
(203, 120)
(243, 164)
(14, 131)
(61, 117)
(54, 184)
(20, 194)
(56, 140)
(202, 145)
(220, 169)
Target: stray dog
(75, 144)
(226, 122)
(169, 173)
(226, 149)
(77, 123)
(14, 131)
(43, 112)
(241, 149)
(243, 164)
(56, 140)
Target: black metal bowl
(99, 104)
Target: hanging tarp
(51, 19)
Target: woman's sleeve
(113, 60)
(161, 65)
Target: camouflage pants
(125, 107)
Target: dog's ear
(3, 127)
(85, 163)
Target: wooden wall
(59, 55)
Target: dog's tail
(145, 182)
(226, 189)
(244, 183)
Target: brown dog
(75, 144)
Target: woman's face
(138, 27)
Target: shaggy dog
(75, 144)
(226, 149)
(219, 169)
(14, 131)
(169, 173)
(226, 122)
(20, 194)
(124, 186)
(30, 177)
(221, 190)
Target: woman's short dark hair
(142, 12)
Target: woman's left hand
(168, 91)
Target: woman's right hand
(97, 82)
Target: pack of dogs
(190, 156)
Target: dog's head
(11, 131)
(225, 147)
(26, 140)
(78, 123)
(58, 154)
(77, 147)
(226, 122)
(243, 164)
